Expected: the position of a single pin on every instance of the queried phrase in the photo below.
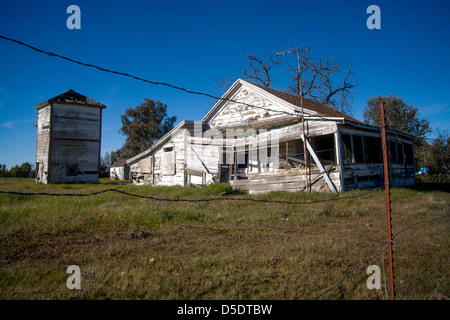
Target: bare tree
(322, 80)
(316, 79)
(337, 95)
(258, 69)
(222, 85)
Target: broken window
(242, 159)
(347, 148)
(291, 154)
(72, 170)
(259, 158)
(393, 151)
(358, 149)
(324, 148)
(409, 153)
(373, 148)
(400, 155)
(361, 149)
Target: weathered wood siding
(202, 161)
(189, 158)
(369, 175)
(289, 180)
(267, 177)
(236, 113)
(164, 166)
(119, 173)
(42, 143)
(75, 141)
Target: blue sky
(189, 43)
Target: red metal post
(388, 201)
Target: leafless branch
(258, 69)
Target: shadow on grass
(431, 186)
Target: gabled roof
(322, 109)
(71, 97)
(287, 103)
(119, 163)
(183, 124)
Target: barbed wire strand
(378, 254)
(351, 271)
(184, 200)
(425, 278)
(146, 80)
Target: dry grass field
(136, 248)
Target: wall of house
(164, 166)
(74, 151)
(286, 167)
(42, 143)
(362, 162)
(202, 162)
(235, 113)
(119, 173)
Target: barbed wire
(380, 253)
(351, 271)
(265, 201)
(425, 278)
(185, 200)
(51, 54)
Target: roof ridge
(72, 97)
(321, 108)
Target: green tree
(4, 173)
(399, 116)
(143, 126)
(115, 156)
(26, 170)
(15, 172)
(440, 153)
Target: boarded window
(168, 162)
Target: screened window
(358, 149)
(400, 154)
(324, 148)
(347, 148)
(409, 153)
(373, 149)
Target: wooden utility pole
(388, 201)
(300, 93)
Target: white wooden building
(68, 139)
(119, 170)
(253, 139)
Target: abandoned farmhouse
(259, 139)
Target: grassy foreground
(221, 249)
